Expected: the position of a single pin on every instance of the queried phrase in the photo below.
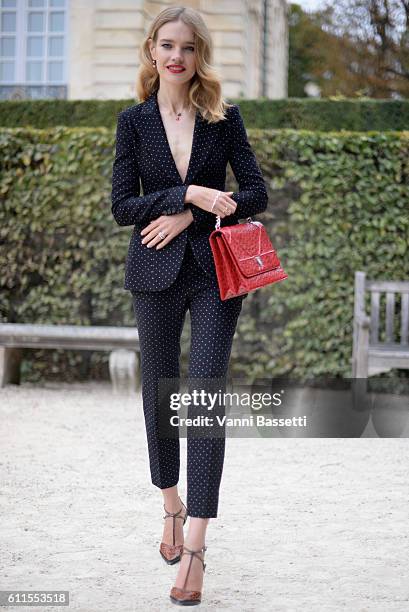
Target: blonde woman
(177, 142)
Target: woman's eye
(169, 45)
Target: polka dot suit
(159, 317)
(167, 282)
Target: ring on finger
(161, 235)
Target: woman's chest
(179, 136)
(166, 153)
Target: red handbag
(244, 258)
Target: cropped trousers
(159, 318)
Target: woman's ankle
(194, 543)
(173, 504)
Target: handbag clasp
(217, 226)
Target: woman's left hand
(170, 225)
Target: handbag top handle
(217, 226)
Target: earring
(154, 63)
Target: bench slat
(68, 336)
(393, 347)
(374, 316)
(383, 286)
(388, 356)
(390, 313)
(57, 343)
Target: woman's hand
(205, 197)
(170, 225)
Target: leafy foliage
(338, 202)
(293, 113)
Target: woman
(178, 142)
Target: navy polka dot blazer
(143, 155)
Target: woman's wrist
(189, 215)
(191, 193)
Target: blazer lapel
(204, 138)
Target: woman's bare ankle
(171, 500)
(195, 539)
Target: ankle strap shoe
(182, 596)
(171, 553)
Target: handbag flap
(251, 248)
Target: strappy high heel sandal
(182, 596)
(171, 552)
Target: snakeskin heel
(182, 596)
(171, 552)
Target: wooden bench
(123, 342)
(380, 341)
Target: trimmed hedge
(338, 202)
(294, 113)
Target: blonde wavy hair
(205, 88)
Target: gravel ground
(311, 525)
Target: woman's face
(175, 46)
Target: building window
(33, 49)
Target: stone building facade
(82, 49)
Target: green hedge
(338, 202)
(293, 113)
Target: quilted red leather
(244, 258)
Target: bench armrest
(363, 321)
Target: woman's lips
(175, 70)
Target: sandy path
(325, 525)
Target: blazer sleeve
(252, 197)
(128, 207)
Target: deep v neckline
(168, 145)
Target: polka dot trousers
(160, 317)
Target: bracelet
(215, 199)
